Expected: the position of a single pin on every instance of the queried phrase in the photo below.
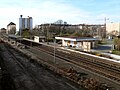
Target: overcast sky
(49, 11)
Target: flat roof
(77, 38)
(40, 36)
(14, 36)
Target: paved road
(105, 48)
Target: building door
(75, 43)
(68, 43)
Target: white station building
(83, 43)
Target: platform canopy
(77, 38)
(16, 37)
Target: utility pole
(30, 30)
(105, 24)
(106, 20)
(48, 28)
(55, 62)
(47, 32)
(54, 52)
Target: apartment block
(11, 28)
(113, 28)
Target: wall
(86, 46)
(11, 29)
(72, 43)
(82, 45)
(31, 24)
(79, 45)
(36, 38)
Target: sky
(49, 11)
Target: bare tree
(117, 43)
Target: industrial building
(25, 23)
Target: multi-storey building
(11, 28)
(25, 23)
(2, 31)
(82, 29)
(113, 28)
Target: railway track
(34, 81)
(31, 76)
(85, 62)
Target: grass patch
(102, 42)
(116, 52)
